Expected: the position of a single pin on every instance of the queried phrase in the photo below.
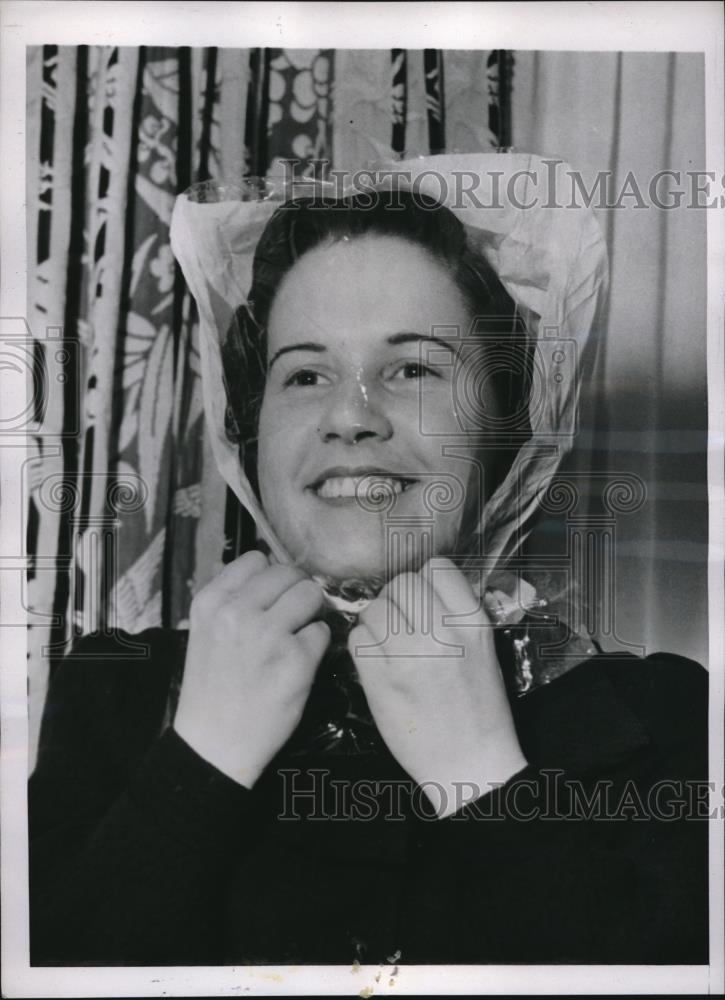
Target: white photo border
(577, 26)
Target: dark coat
(142, 853)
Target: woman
(335, 764)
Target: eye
(413, 370)
(304, 377)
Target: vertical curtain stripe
(257, 118)
(361, 108)
(34, 71)
(196, 83)
(657, 463)
(614, 168)
(58, 353)
(466, 102)
(663, 216)
(399, 98)
(298, 111)
(207, 115)
(234, 73)
(434, 99)
(185, 114)
(500, 68)
(251, 118)
(50, 160)
(416, 113)
(73, 407)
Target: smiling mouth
(360, 485)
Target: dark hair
(302, 224)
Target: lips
(348, 484)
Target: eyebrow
(307, 346)
(403, 337)
(408, 338)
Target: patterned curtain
(127, 514)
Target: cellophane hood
(551, 260)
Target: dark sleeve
(582, 866)
(132, 834)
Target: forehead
(375, 282)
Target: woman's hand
(436, 689)
(252, 655)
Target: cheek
(458, 494)
(437, 412)
(272, 455)
(285, 437)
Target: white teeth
(348, 486)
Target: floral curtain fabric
(127, 515)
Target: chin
(365, 564)
(344, 567)
(362, 552)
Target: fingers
(451, 587)
(298, 605)
(233, 577)
(363, 639)
(315, 638)
(420, 602)
(407, 604)
(266, 589)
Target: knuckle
(375, 614)
(201, 603)
(440, 562)
(283, 576)
(356, 640)
(368, 614)
(406, 588)
(403, 583)
(253, 560)
(293, 576)
(318, 631)
(309, 590)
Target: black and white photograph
(361, 443)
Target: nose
(352, 416)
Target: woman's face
(359, 408)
